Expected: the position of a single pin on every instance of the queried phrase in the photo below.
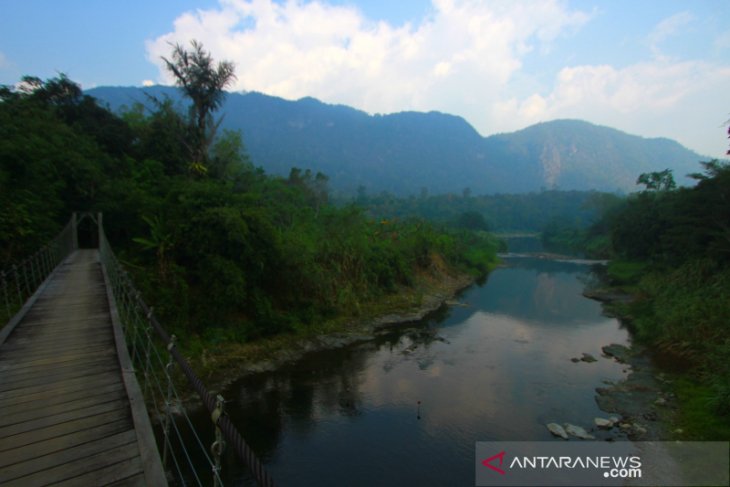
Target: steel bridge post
(74, 231)
(168, 400)
(219, 444)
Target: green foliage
(624, 272)
(500, 212)
(203, 84)
(658, 180)
(676, 249)
(50, 165)
(698, 417)
(683, 314)
(232, 254)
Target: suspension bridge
(89, 379)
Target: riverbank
(659, 400)
(221, 364)
(644, 401)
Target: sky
(651, 68)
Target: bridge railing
(20, 281)
(155, 357)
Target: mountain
(404, 153)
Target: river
(407, 408)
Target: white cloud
(467, 57)
(4, 63)
(668, 27)
(148, 82)
(458, 59)
(644, 98)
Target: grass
(697, 419)
(218, 361)
(625, 273)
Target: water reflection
(497, 369)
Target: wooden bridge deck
(70, 409)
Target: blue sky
(652, 68)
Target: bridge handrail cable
(151, 349)
(20, 281)
(141, 327)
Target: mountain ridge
(412, 152)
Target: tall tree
(658, 180)
(203, 82)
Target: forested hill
(404, 153)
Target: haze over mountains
(405, 153)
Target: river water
(407, 408)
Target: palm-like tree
(202, 82)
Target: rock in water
(618, 352)
(603, 423)
(557, 430)
(578, 432)
(587, 357)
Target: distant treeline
(528, 212)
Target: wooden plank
(51, 357)
(69, 427)
(55, 320)
(38, 379)
(65, 345)
(39, 332)
(59, 387)
(59, 443)
(33, 402)
(54, 347)
(68, 455)
(107, 475)
(61, 368)
(78, 298)
(66, 414)
(22, 414)
(99, 326)
(9, 368)
(96, 469)
(135, 481)
(59, 417)
(10, 365)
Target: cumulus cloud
(643, 98)
(467, 57)
(458, 59)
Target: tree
(658, 180)
(203, 83)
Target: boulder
(578, 432)
(619, 352)
(557, 430)
(604, 423)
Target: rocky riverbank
(227, 363)
(640, 408)
(643, 402)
